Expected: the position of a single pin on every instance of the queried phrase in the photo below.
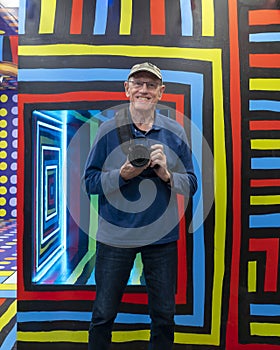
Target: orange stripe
(265, 182)
(14, 48)
(157, 12)
(265, 60)
(265, 125)
(77, 17)
(264, 17)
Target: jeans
(112, 271)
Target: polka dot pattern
(8, 153)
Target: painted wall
(220, 63)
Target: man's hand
(128, 171)
(159, 163)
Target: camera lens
(139, 155)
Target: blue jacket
(142, 210)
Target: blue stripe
(265, 309)
(52, 316)
(8, 294)
(72, 74)
(264, 220)
(186, 17)
(264, 37)
(101, 14)
(10, 340)
(1, 47)
(195, 80)
(265, 163)
(21, 16)
(264, 105)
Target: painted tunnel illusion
(220, 64)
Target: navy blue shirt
(142, 210)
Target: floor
(8, 279)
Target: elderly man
(138, 164)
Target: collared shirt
(142, 210)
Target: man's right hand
(128, 171)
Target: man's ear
(126, 89)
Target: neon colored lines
(48, 8)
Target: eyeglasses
(138, 84)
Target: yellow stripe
(126, 17)
(265, 200)
(252, 276)
(53, 336)
(115, 50)
(265, 329)
(4, 286)
(47, 17)
(265, 84)
(265, 144)
(6, 273)
(79, 268)
(220, 173)
(8, 315)
(208, 18)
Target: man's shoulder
(169, 123)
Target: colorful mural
(220, 64)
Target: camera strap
(124, 129)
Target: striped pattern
(264, 198)
(7, 288)
(102, 20)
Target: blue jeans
(112, 271)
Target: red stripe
(77, 17)
(264, 60)
(265, 125)
(265, 182)
(235, 107)
(264, 17)
(271, 247)
(24, 294)
(157, 13)
(14, 48)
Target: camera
(139, 155)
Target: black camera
(139, 155)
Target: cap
(145, 67)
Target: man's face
(144, 91)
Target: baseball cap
(145, 67)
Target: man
(138, 206)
